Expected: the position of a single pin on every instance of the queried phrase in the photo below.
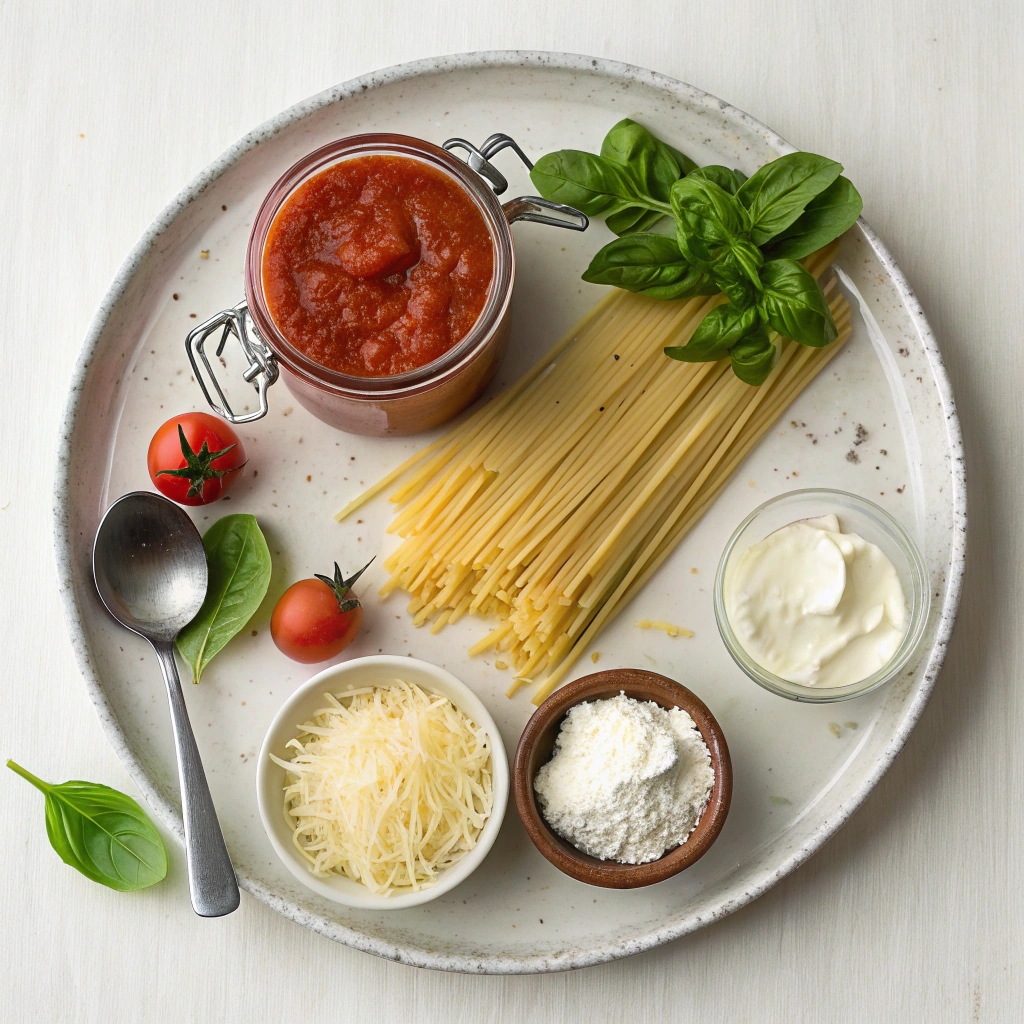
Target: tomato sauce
(377, 265)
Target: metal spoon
(150, 570)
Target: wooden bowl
(538, 741)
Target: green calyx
(342, 586)
(198, 466)
(735, 235)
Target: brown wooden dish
(537, 743)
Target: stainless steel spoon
(150, 570)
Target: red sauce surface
(377, 265)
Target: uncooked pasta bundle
(551, 506)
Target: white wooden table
(913, 911)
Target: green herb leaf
(777, 194)
(715, 335)
(726, 179)
(652, 167)
(793, 304)
(753, 357)
(650, 264)
(589, 183)
(632, 219)
(709, 221)
(827, 216)
(102, 833)
(239, 573)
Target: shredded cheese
(389, 785)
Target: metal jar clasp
(261, 370)
(528, 208)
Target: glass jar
(405, 403)
(856, 515)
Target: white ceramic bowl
(270, 777)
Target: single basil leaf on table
(793, 304)
(753, 357)
(650, 264)
(827, 216)
(708, 220)
(726, 179)
(102, 833)
(778, 193)
(596, 186)
(239, 566)
(716, 334)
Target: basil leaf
(794, 305)
(652, 166)
(735, 269)
(685, 164)
(633, 218)
(102, 833)
(727, 180)
(589, 183)
(708, 220)
(777, 194)
(753, 358)
(650, 264)
(722, 328)
(827, 216)
(239, 573)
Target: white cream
(816, 606)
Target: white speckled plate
(800, 770)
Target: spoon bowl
(149, 565)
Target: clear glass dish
(856, 515)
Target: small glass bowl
(856, 515)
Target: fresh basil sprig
(238, 561)
(101, 832)
(629, 182)
(735, 235)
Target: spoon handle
(211, 879)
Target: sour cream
(816, 606)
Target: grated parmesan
(389, 785)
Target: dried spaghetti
(552, 505)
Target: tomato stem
(342, 586)
(198, 466)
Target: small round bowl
(856, 515)
(270, 777)
(537, 743)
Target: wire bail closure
(261, 372)
(528, 208)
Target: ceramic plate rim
(760, 880)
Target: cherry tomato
(316, 619)
(195, 458)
